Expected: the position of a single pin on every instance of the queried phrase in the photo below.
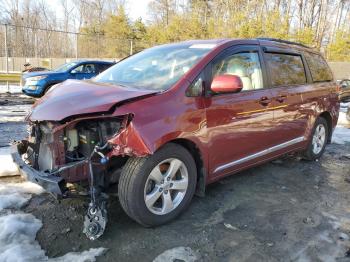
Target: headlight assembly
(31, 87)
(36, 78)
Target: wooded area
(106, 30)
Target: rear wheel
(155, 189)
(318, 141)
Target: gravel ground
(289, 210)
(13, 108)
(284, 210)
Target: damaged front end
(88, 152)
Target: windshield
(65, 67)
(156, 68)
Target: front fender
(160, 119)
(128, 142)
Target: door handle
(265, 101)
(281, 98)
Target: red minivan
(171, 119)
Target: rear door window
(319, 69)
(285, 69)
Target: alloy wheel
(166, 186)
(318, 139)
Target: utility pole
(76, 45)
(6, 50)
(98, 44)
(131, 46)
(36, 44)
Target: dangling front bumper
(50, 182)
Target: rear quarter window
(319, 69)
(285, 69)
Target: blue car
(37, 83)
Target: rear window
(285, 69)
(319, 69)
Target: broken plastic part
(128, 142)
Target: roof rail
(281, 41)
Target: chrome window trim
(259, 154)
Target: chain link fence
(49, 48)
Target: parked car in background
(29, 68)
(171, 119)
(344, 92)
(37, 83)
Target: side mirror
(226, 84)
(344, 85)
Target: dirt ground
(286, 210)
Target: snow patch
(17, 238)
(7, 167)
(16, 195)
(10, 88)
(341, 135)
(17, 242)
(18, 230)
(342, 120)
(85, 256)
(178, 253)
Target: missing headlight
(81, 140)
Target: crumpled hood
(74, 97)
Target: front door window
(84, 69)
(244, 65)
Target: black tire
(309, 153)
(47, 89)
(134, 177)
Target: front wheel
(46, 89)
(155, 189)
(318, 141)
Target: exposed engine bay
(50, 148)
(77, 152)
(81, 140)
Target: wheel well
(48, 86)
(327, 116)
(201, 171)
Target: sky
(134, 8)
(138, 8)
